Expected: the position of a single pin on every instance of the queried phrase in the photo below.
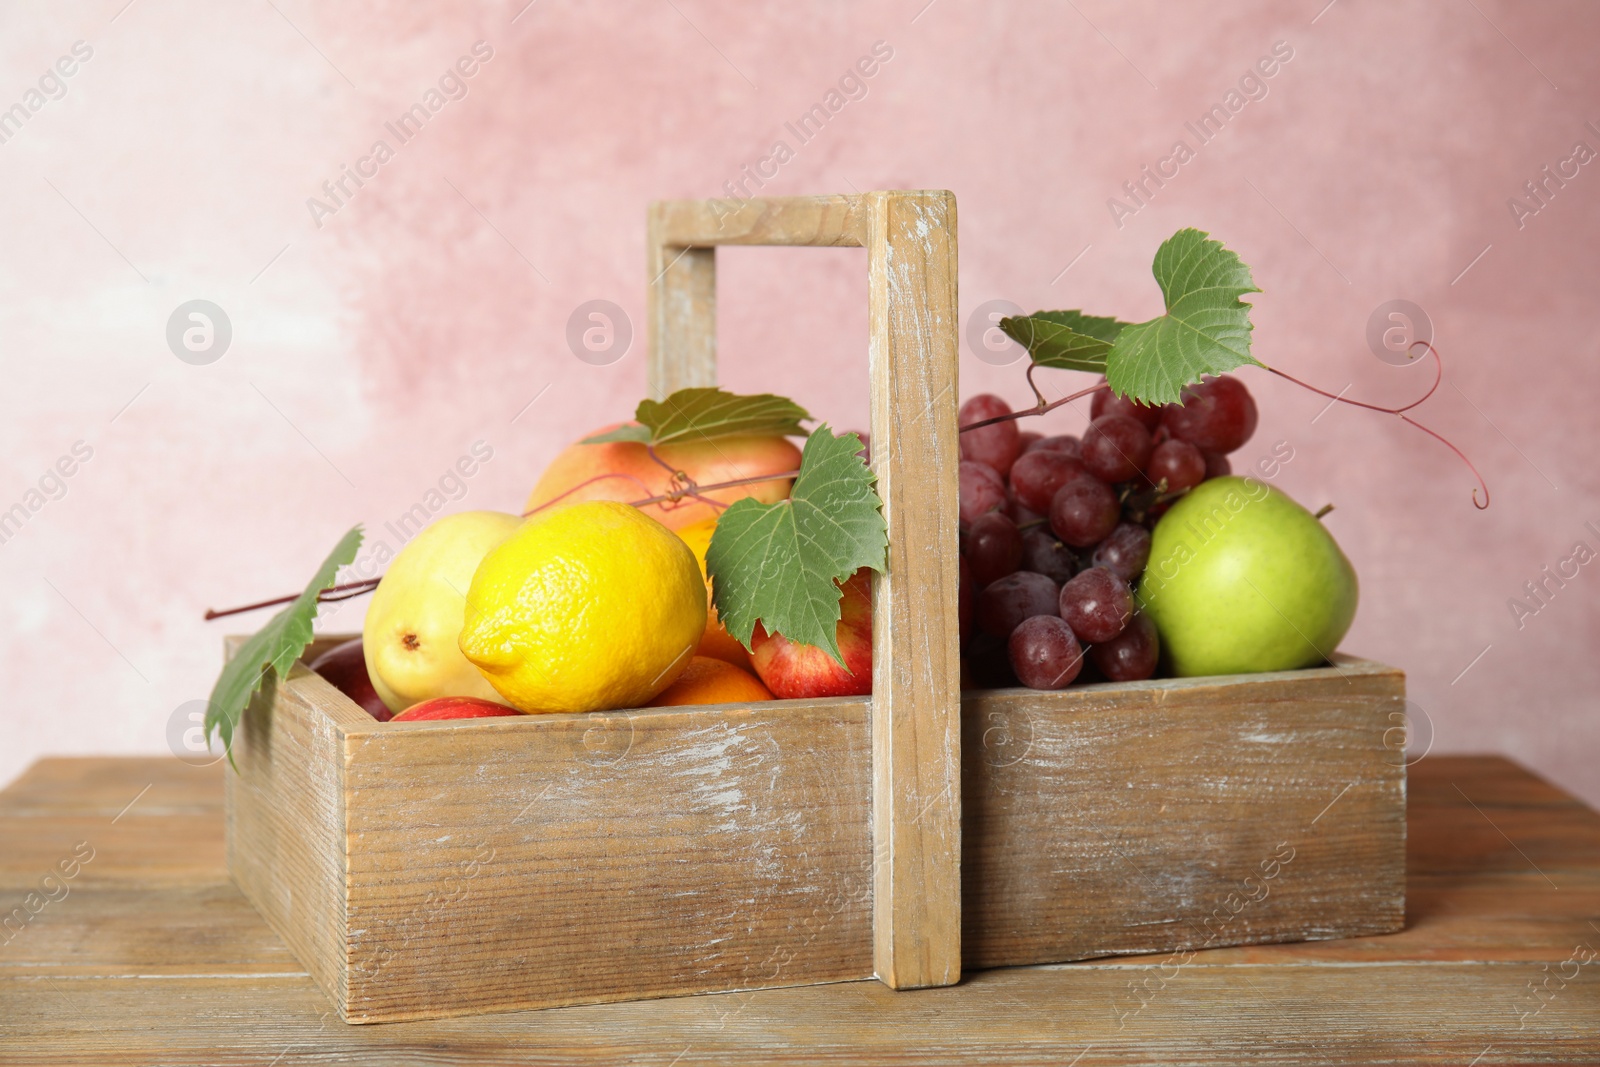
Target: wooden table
(152, 956)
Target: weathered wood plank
(568, 859)
(1435, 1014)
(814, 221)
(912, 307)
(1182, 814)
(916, 669)
(285, 814)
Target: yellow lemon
(585, 608)
(716, 642)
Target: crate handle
(910, 237)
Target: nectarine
(624, 471)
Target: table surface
(152, 956)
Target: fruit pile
(588, 602)
(697, 555)
(1056, 531)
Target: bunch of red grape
(1055, 531)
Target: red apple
(454, 708)
(792, 670)
(345, 668)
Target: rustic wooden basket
(428, 869)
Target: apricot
(712, 681)
(625, 471)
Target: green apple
(1242, 579)
(415, 617)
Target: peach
(624, 471)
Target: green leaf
(1206, 329)
(705, 414)
(1066, 340)
(274, 648)
(782, 563)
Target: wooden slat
(916, 739)
(285, 821)
(682, 318)
(912, 304)
(1448, 1014)
(565, 859)
(1182, 813)
(813, 221)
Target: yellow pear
(414, 619)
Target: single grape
(1132, 655)
(994, 547)
(1106, 402)
(1036, 476)
(1026, 440)
(1043, 553)
(1083, 511)
(996, 445)
(981, 490)
(1044, 653)
(966, 596)
(1064, 442)
(1124, 552)
(1005, 602)
(1180, 463)
(1217, 415)
(1020, 515)
(1115, 448)
(1097, 605)
(1217, 465)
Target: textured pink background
(427, 313)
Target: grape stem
(354, 589)
(1041, 408)
(1400, 413)
(333, 592)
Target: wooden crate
(428, 869)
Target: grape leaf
(704, 414)
(274, 648)
(1206, 329)
(781, 564)
(1066, 340)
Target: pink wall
(372, 351)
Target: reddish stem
(1438, 376)
(1039, 410)
(584, 484)
(341, 592)
(736, 483)
(367, 585)
(1400, 412)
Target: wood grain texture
(680, 263)
(560, 859)
(285, 816)
(916, 669)
(912, 308)
(191, 974)
(567, 859)
(1183, 813)
(812, 221)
